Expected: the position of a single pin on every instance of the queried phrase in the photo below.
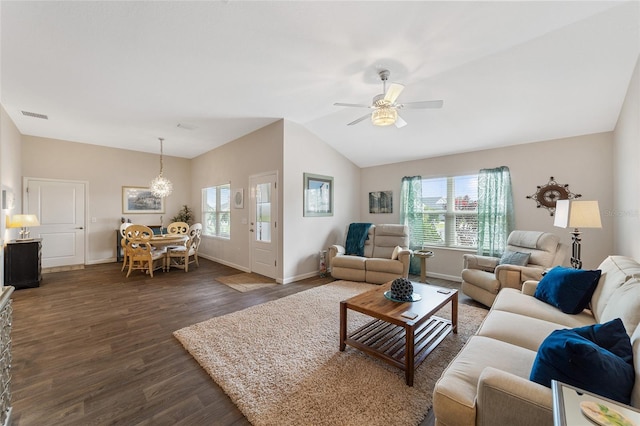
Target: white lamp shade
(23, 220)
(577, 214)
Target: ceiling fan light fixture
(161, 186)
(384, 116)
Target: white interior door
(60, 208)
(263, 225)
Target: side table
(566, 405)
(22, 263)
(423, 255)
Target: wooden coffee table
(398, 340)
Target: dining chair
(178, 228)
(123, 243)
(181, 256)
(141, 254)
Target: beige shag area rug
(247, 281)
(281, 365)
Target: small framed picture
(137, 199)
(381, 202)
(318, 195)
(238, 198)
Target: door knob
(250, 230)
(80, 227)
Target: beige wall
(106, 170)
(304, 237)
(10, 177)
(583, 162)
(625, 213)
(234, 162)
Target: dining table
(163, 240)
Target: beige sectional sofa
(488, 381)
(377, 265)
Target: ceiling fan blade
(393, 92)
(400, 122)
(364, 117)
(422, 104)
(352, 105)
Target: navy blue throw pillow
(568, 289)
(596, 358)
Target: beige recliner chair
(483, 276)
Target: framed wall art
(238, 198)
(381, 202)
(548, 194)
(318, 195)
(138, 199)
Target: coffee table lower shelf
(388, 342)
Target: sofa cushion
(624, 303)
(454, 397)
(512, 300)
(541, 245)
(516, 329)
(595, 358)
(346, 261)
(616, 270)
(568, 289)
(385, 265)
(514, 258)
(387, 237)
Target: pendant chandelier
(160, 185)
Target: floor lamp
(577, 214)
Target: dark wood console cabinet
(22, 267)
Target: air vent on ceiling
(187, 126)
(35, 115)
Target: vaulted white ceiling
(122, 74)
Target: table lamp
(23, 221)
(577, 214)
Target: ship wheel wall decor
(547, 195)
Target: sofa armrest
(334, 250)
(404, 256)
(507, 399)
(484, 263)
(512, 276)
(529, 287)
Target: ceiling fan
(385, 108)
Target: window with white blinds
(450, 211)
(216, 211)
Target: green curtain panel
(411, 215)
(495, 210)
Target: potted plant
(185, 214)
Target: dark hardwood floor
(91, 347)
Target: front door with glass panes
(263, 225)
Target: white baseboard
(298, 277)
(99, 261)
(224, 262)
(455, 278)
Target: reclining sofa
(378, 265)
(487, 383)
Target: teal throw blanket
(357, 235)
